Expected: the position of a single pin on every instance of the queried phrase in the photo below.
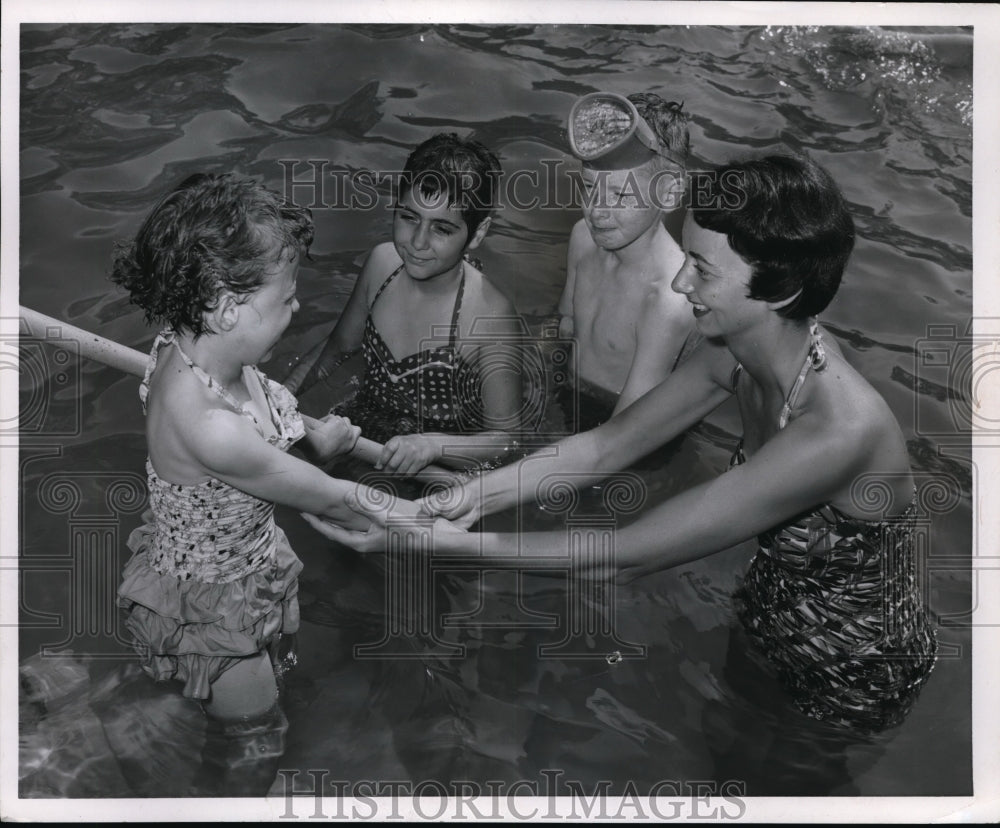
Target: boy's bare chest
(606, 311)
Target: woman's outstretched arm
(803, 466)
(697, 387)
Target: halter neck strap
(169, 337)
(815, 360)
(456, 308)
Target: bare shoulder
(669, 259)
(661, 301)
(483, 300)
(486, 296)
(712, 359)
(223, 440)
(384, 252)
(189, 428)
(581, 243)
(853, 447)
(856, 418)
(381, 261)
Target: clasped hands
(455, 509)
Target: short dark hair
(667, 119)
(465, 170)
(203, 238)
(786, 217)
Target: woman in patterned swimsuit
(822, 475)
(212, 581)
(423, 298)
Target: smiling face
(716, 281)
(619, 206)
(430, 236)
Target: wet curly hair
(213, 234)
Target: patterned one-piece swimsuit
(433, 389)
(212, 578)
(833, 604)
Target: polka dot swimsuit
(430, 390)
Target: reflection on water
(86, 732)
(115, 115)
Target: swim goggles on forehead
(606, 132)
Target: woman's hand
(373, 539)
(459, 504)
(332, 436)
(370, 540)
(409, 453)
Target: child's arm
(664, 326)
(328, 437)
(227, 447)
(499, 364)
(697, 387)
(566, 327)
(346, 334)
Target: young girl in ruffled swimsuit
(453, 395)
(212, 582)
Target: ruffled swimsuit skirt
(193, 631)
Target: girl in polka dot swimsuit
(212, 583)
(422, 298)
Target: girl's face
(429, 235)
(716, 282)
(268, 311)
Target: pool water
(112, 116)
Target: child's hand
(408, 454)
(333, 435)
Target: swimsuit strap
(384, 285)
(816, 360)
(162, 338)
(735, 376)
(453, 335)
(170, 338)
